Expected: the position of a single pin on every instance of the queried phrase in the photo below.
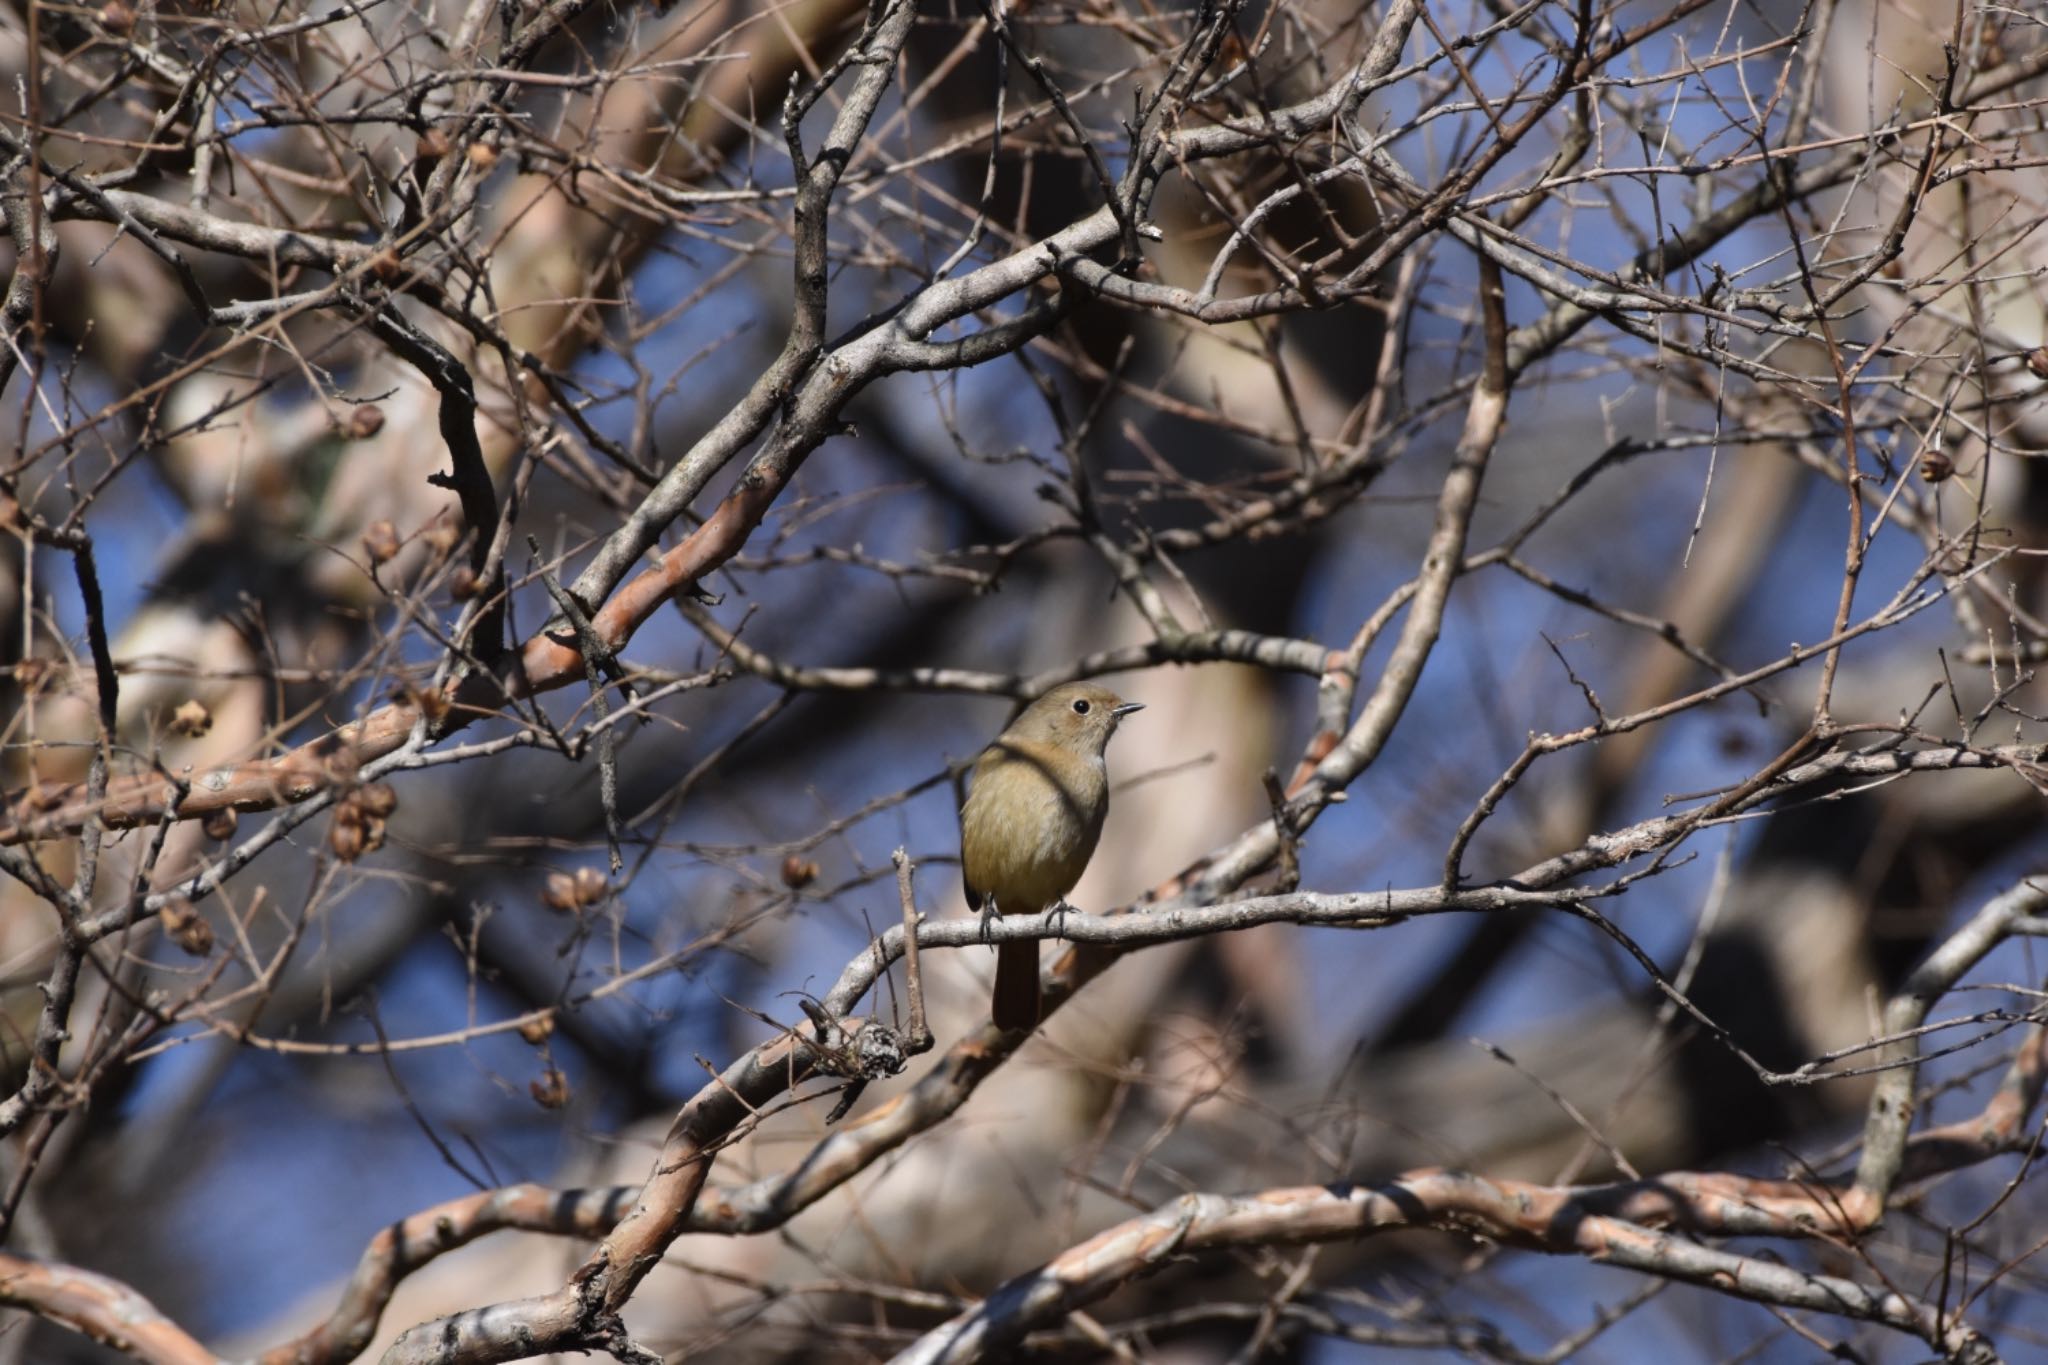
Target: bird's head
(1079, 717)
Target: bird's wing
(981, 765)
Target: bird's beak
(1126, 709)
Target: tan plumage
(1038, 798)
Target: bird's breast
(1030, 824)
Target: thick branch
(102, 1309)
(1559, 1220)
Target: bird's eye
(1080, 706)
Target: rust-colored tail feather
(1016, 999)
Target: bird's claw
(988, 915)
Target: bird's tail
(1016, 999)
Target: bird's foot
(988, 915)
(1060, 911)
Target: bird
(1034, 811)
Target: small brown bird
(1040, 793)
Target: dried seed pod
(366, 421)
(432, 146)
(462, 583)
(380, 542)
(1935, 466)
(798, 872)
(482, 155)
(185, 927)
(551, 1091)
(2037, 361)
(34, 674)
(377, 799)
(373, 834)
(559, 893)
(538, 1031)
(191, 719)
(591, 886)
(346, 835)
(220, 825)
(385, 265)
(116, 17)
